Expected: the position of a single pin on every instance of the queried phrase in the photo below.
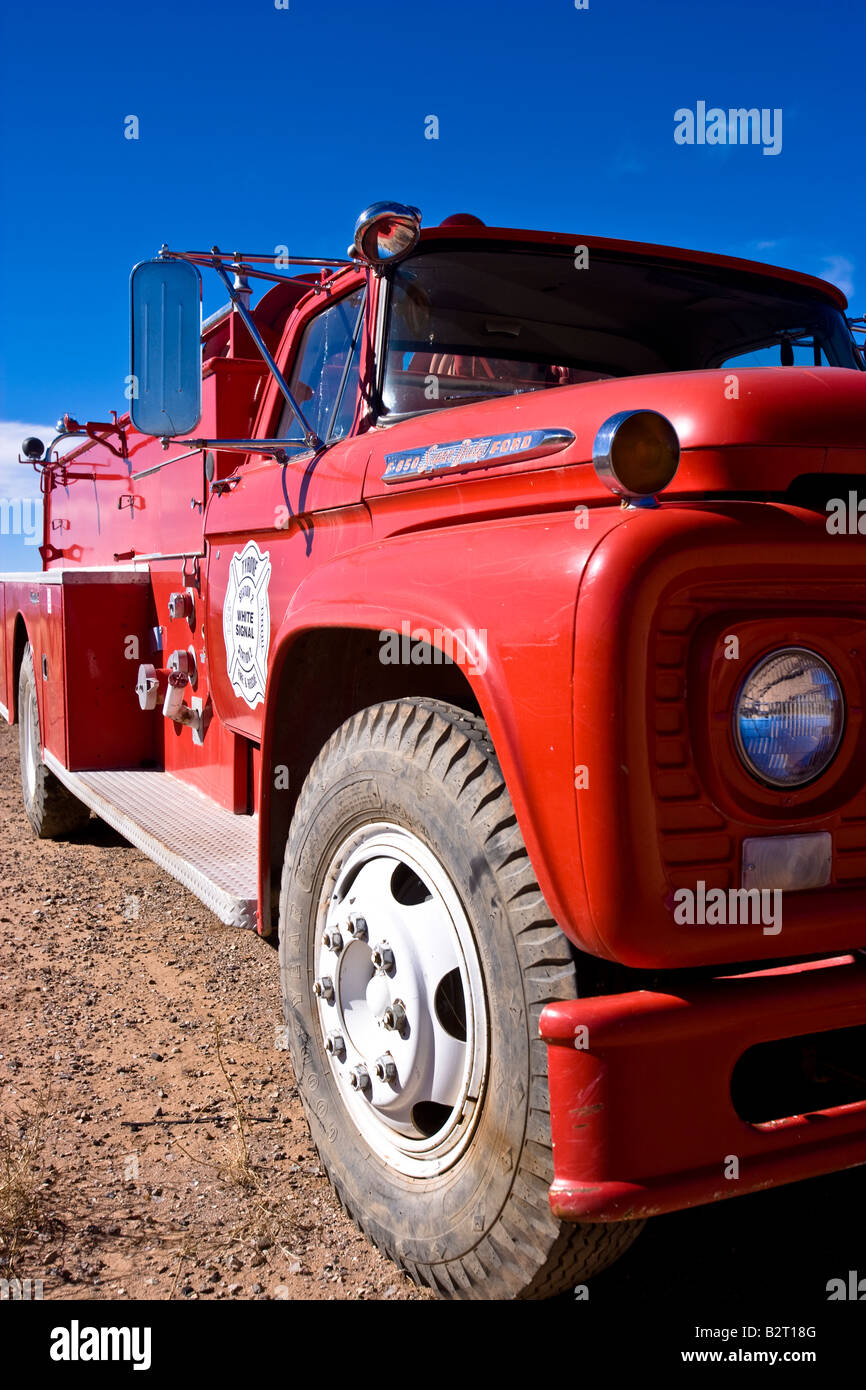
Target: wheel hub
(406, 998)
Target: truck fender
(518, 594)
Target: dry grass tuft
(22, 1139)
(237, 1166)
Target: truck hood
(740, 431)
(813, 406)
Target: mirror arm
(235, 295)
(275, 448)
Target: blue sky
(261, 126)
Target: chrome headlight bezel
(653, 430)
(758, 773)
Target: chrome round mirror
(386, 232)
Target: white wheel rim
(30, 739)
(419, 1118)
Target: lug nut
(359, 1078)
(386, 1068)
(394, 1017)
(335, 1044)
(383, 956)
(333, 939)
(357, 927)
(324, 988)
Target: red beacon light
(462, 219)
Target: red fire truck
(482, 617)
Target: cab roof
(471, 230)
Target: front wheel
(416, 954)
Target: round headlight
(636, 453)
(789, 717)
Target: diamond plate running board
(209, 850)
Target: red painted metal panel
(23, 600)
(301, 516)
(12, 599)
(50, 670)
(641, 1111)
(97, 513)
(106, 629)
(513, 581)
(217, 767)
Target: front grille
(697, 840)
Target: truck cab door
(270, 523)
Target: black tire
(482, 1228)
(51, 809)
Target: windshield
(471, 324)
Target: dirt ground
(152, 1144)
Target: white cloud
(839, 271)
(19, 480)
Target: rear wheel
(417, 953)
(51, 809)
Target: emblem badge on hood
(473, 453)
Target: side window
(324, 379)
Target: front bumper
(642, 1116)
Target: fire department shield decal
(247, 623)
